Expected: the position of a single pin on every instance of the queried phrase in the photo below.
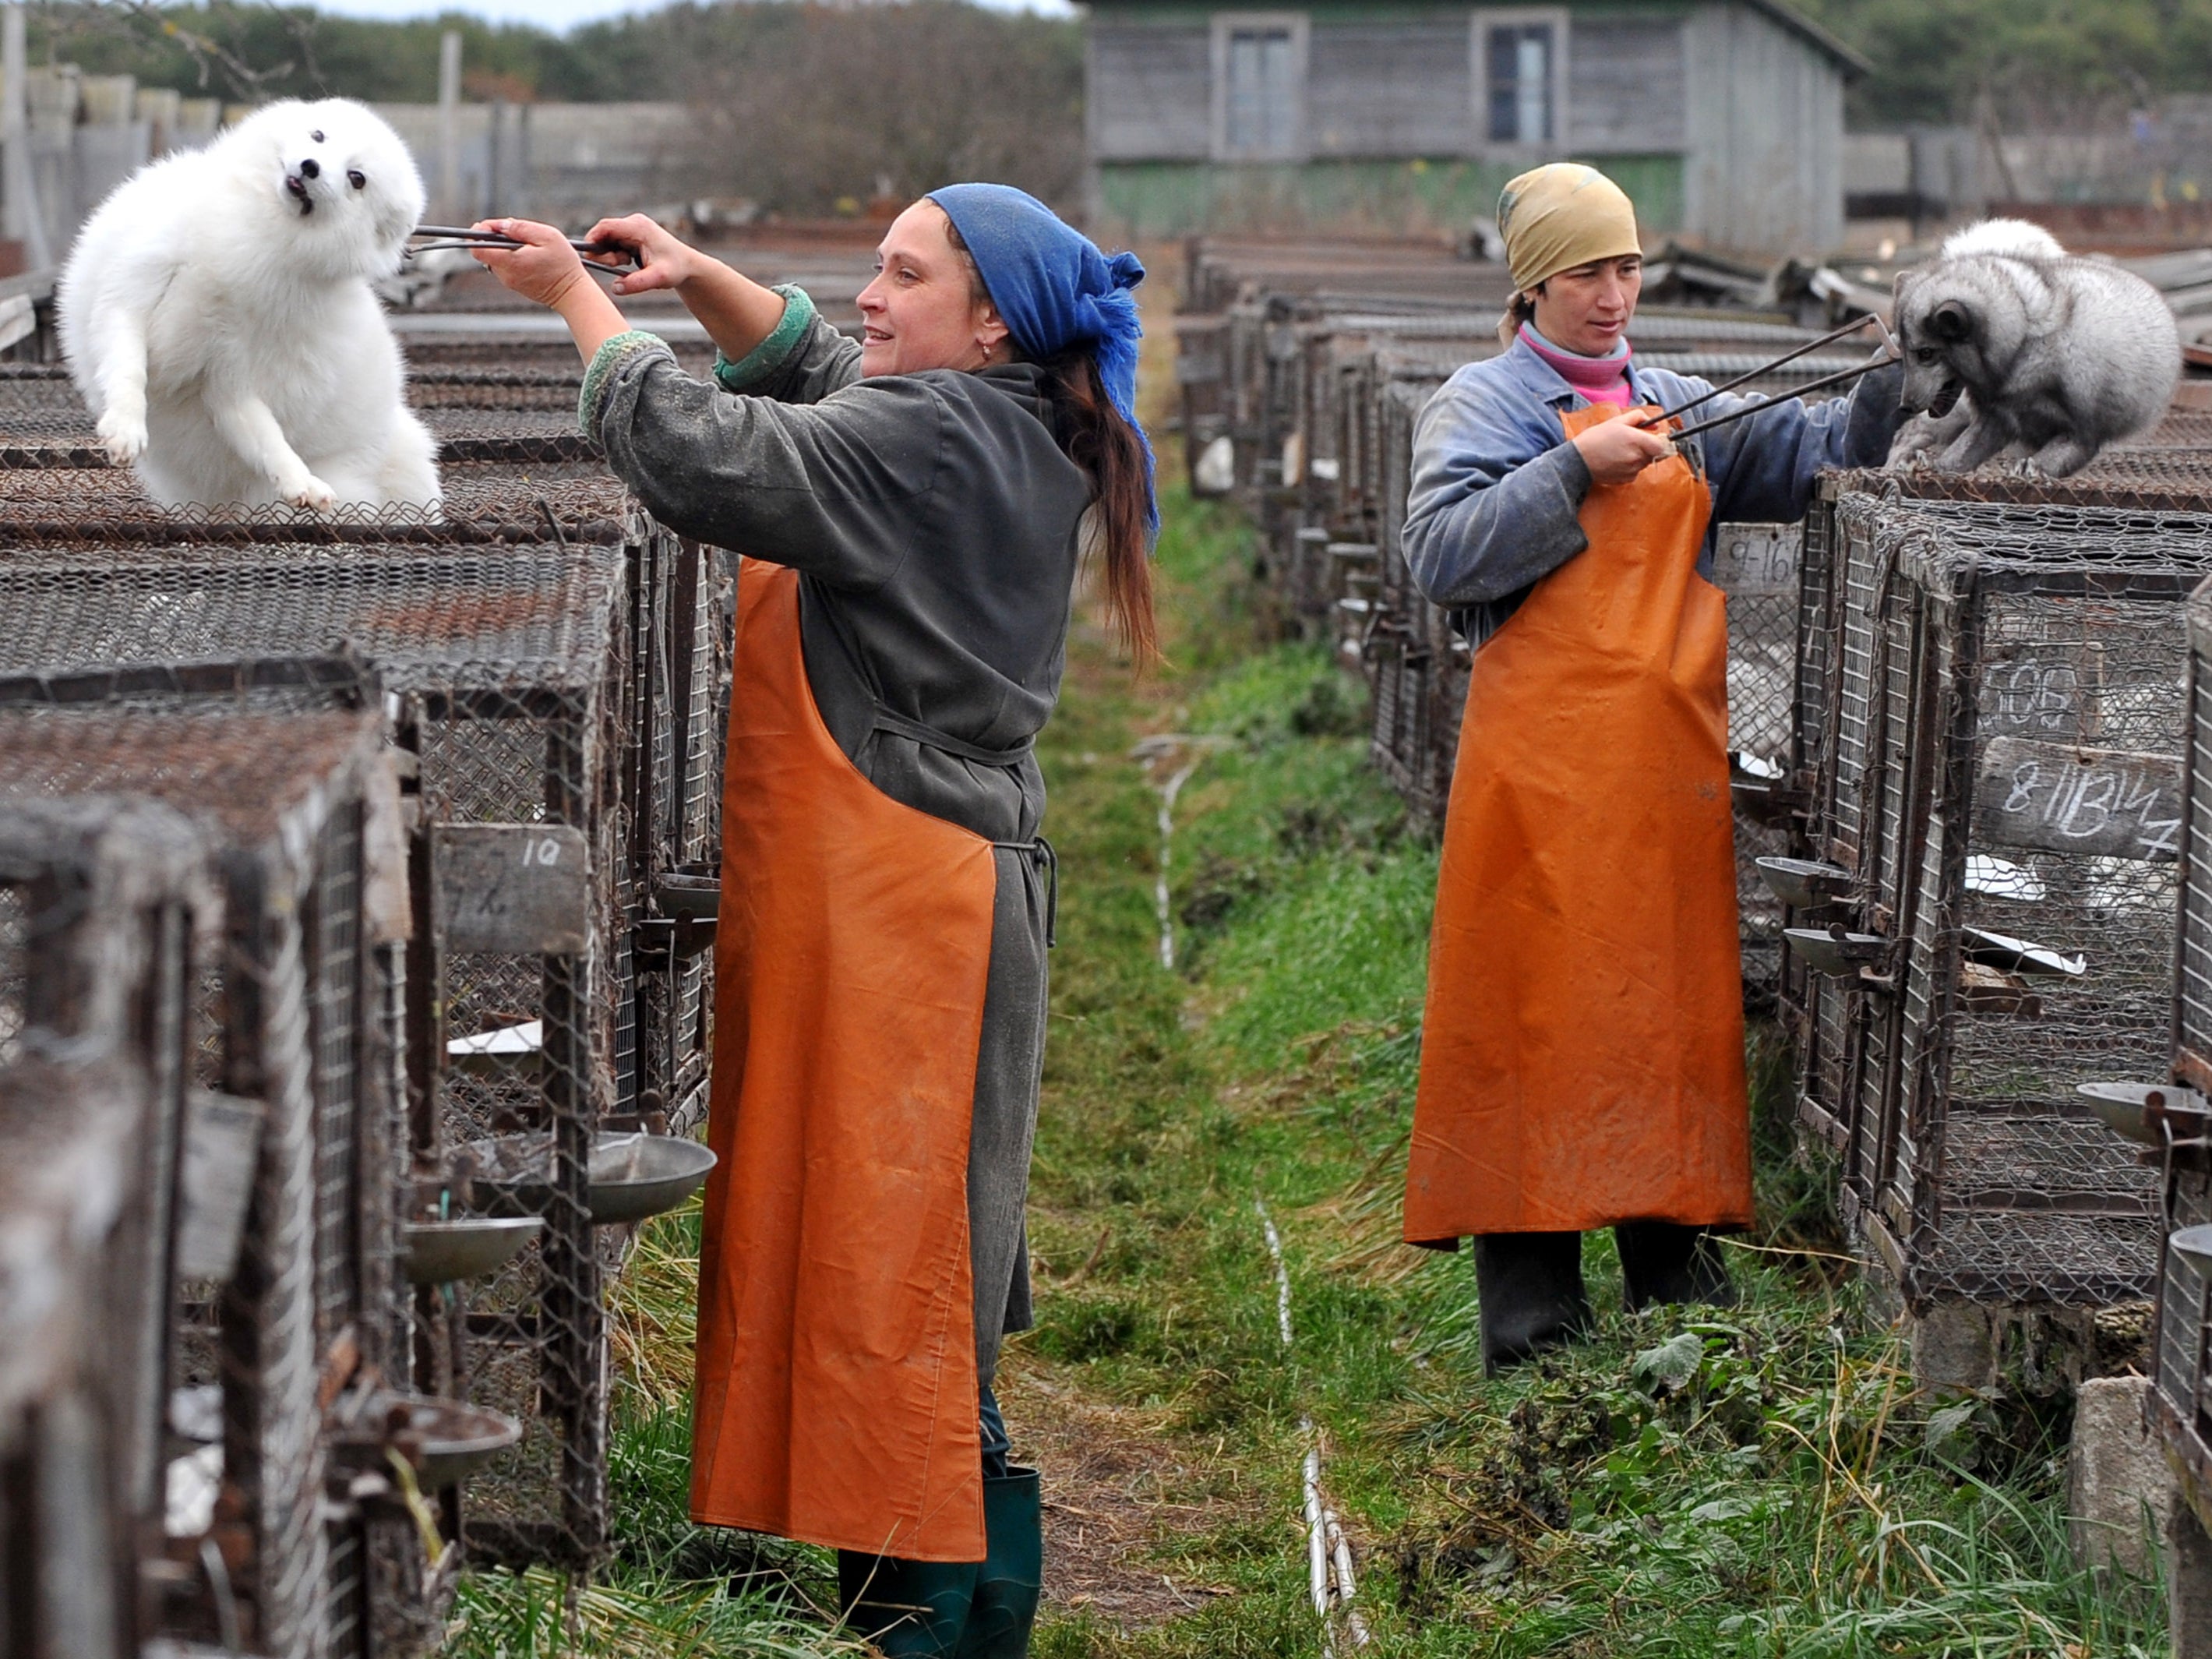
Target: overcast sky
(562, 13)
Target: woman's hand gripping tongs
(1889, 353)
(595, 253)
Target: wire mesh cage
(518, 659)
(306, 1323)
(102, 907)
(45, 423)
(1757, 567)
(2180, 1403)
(2013, 705)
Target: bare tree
(843, 104)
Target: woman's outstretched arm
(547, 270)
(737, 313)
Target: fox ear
(1949, 322)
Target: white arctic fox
(217, 317)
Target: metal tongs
(1891, 353)
(456, 236)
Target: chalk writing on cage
(2063, 798)
(2032, 694)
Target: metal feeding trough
(689, 897)
(1802, 883)
(2015, 956)
(439, 1252)
(1831, 951)
(1758, 788)
(2140, 1111)
(632, 1176)
(446, 1441)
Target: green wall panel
(1146, 200)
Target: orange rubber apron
(836, 1398)
(1582, 1056)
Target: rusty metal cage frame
(439, 636)
(2179, 1404)
(2011, 1197)
(106, 905)
(313, 909)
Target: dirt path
(1120, 1498)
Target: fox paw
(124, 435)
(310, 492)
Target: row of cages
(1300, 399)
(357, 887)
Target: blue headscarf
(1054, 289)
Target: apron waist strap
(930, 737)
(1041, 850)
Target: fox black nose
(311, 169)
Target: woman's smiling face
(922, 310)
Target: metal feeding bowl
(455, 1439)
(2134, 1110)
(1833, 950)
(1802, 883)
(439, 1252)
(2017, 956)
(689, 897)
(632, 1176)
(2195, 1242)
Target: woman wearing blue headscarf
(910, 509)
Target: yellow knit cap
(1562, 216)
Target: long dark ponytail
(1097, 438)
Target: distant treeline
(2031, 63)
(804, 108)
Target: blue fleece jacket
(1496, 487)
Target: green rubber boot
(910, 1609)
(1013, 1577)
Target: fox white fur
(2051, 357)
(217, 317)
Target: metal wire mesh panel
(101, 507)
(304, 1314)
(1416, 729)
(44, 423)
(2180, 1407)
(520, 659)
(1756, 565)
(2192, 999)
(92, 1105)
(2180, 1403)
(2036, 937)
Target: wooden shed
(1724, 119)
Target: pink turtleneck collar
(1599, 379)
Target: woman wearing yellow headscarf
(1581, 1060)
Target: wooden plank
(1151, 93)
(511, 887)
(2112, 803)
(1392, 90)
(1626, 89)
(1757, 559)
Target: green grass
(1762, 1484)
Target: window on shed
(1521, 82)
(1260, 99)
